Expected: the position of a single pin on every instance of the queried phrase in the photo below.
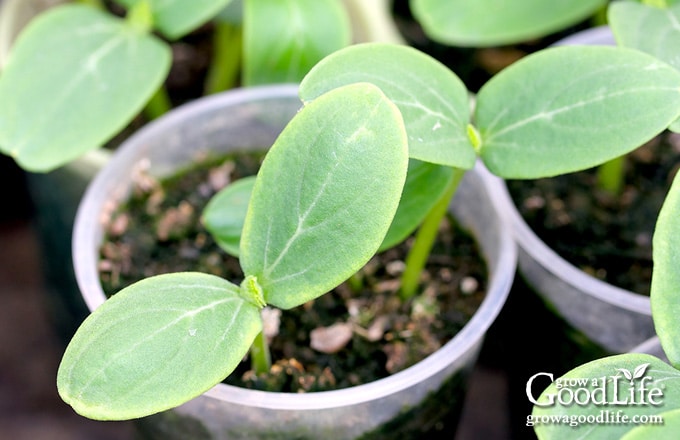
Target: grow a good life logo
(609, 399)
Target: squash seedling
(322, 202)
(639, 393)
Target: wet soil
(607, 235)
(357, 333)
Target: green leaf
(176, 18)
(497, 22)
(569, 108)
(225, 214)
(652, 30)
(425, 185)
(343, 161)
(155, 345)
(666, 431)
(283, 39)
(665, 288)
(602, 385)
(432, 99)
(75, 77)
(675, 126)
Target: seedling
(164, 340)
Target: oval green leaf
(155, 345)
(603, 383)
(653, 30)
(425, 185)
(665, 287)
(342, 161)
(668, 430)
(225, 214)
(175, 18)
(569, 108)
(497, 22)
(432, 99)
(284, 39)
(75, 77)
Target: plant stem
(610, 175)
(140, 16)
(99, 4)
(260, 358)
(158, 105)
(224, 68)
(372, 21)
(425, 238)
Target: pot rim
(84, 254)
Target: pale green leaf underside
(225, 214)
(668, 431)
(75, 77)
(175, 18)
(425, 185)
(155, 345)
(569, 108)
(661, 374)
(284, 39)
(343, 161)
(432, 99)
(646, 28)
(665, 288)
(496, 22)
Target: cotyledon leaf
(342, 161)
(74, 78)
(225, 214)
(497, 22)
(175, 18)
(569, 108)
(650, 29)
(598, 386)
(433, 101)
(284, 39)
(665, 288)
(155, 345)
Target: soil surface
(357, 333)
(607, 235)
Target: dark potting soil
(608, 236)
(357, 333)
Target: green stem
(260, 358)
(158, 105)
(140, 16)
(610, 175)
(372, 21)
(425, 238)
(224, 69)
(99, 4)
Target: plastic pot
(614, 318)
(251, 119)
